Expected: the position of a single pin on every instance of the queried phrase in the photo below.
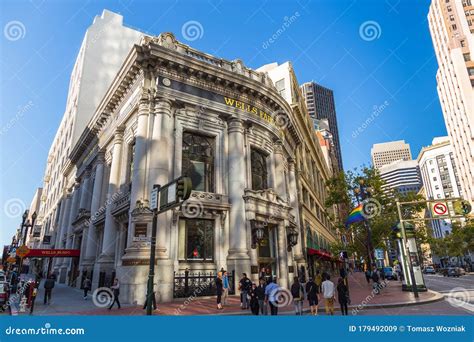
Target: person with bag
(343, 296)
(376, 279)
(297, 291)
(312, 293)
(116, 291)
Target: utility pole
(151, 273)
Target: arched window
(198, 161)
(258, 162)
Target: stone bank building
(245, 139)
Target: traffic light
(462, 207)
(184, 185)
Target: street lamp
(363, 193)
(25, 224)
(258, 232)
(292, 238)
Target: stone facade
(172, 111)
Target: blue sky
(390, 63)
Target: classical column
(293, 193)
(280, 185)
(139, 191)
(110, 226)
(72, 215)
(282, 256)
(91, 243)
(161, 165)
(85, 193)
(238, 251)
(61, 229)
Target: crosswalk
(460, 297)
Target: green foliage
(343, 190)
(458, 243)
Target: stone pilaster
(238, 258)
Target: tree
(343, 190)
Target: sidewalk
(69, 301)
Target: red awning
(53, 253)
(322, 254)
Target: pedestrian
(48, 289)
(226, 286)
(368, 275)
(328, 291)
(271, 295)
(86, 285)
(254, 306)
(219, 290)
(319, 280)
(244, 286)
(116, 292)
(312, 293)
(342, 295)
(375, 279)
(260, 292)
(33, 295)
(153, 301)
(297, 292)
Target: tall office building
(440, 177)
(389, 152)
(451, 24)
(103, 50)
(320, 104)
(402, 176)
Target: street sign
(154, 199)
(22, 251)
(11, 260)
(462, 207)
(439, 209)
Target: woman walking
(342, 295)
(87, 287)
(116, 290)
(219, 289)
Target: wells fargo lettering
(249, 109)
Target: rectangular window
(198, 160)
(258, 165)
(470, 71)
(196, 240)
(140, 230)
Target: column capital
(235, 125)
(278, 146)
(118, 137)
(291, 164)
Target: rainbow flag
(355, 215)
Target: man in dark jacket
(48, 288)
(245, 285)
(260, 292)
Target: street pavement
(454, 296)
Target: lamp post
(258, 232)
(292, 238)
(25, 224)
(363, 193)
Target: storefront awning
(320, 253)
